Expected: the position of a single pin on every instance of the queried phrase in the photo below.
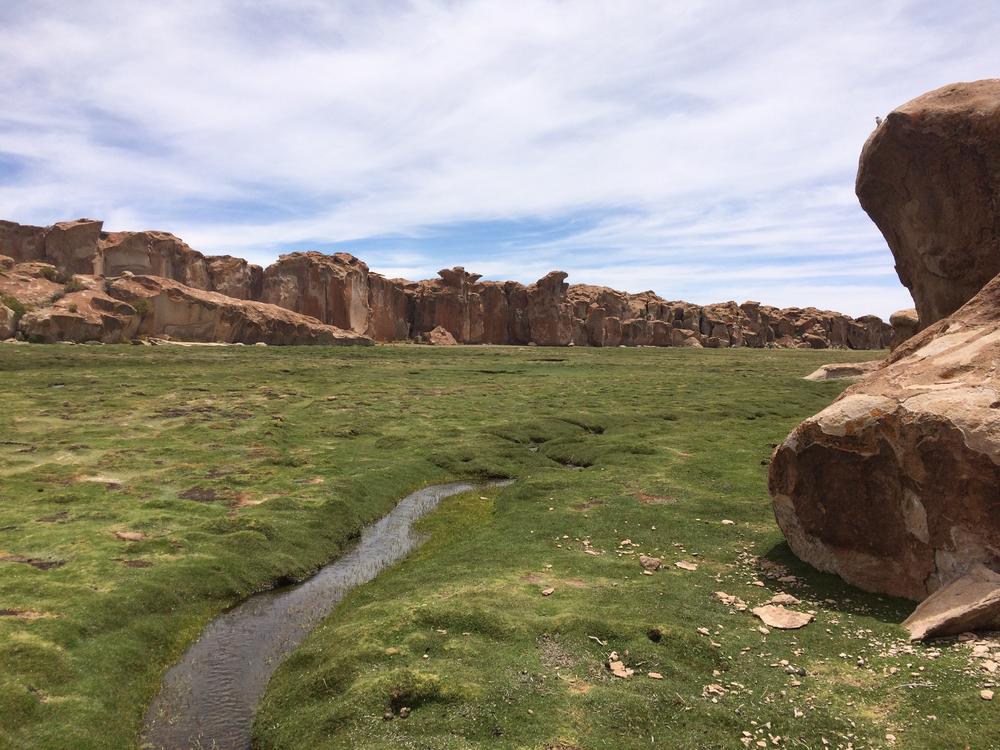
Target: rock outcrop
(168, 308)
(894, 486)
(905, 324)
(844, 370)
(929, 177)
(82, 247)
(87, 315)
(341, 291)
(331, 288)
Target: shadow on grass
(834, 593)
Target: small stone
(130, 536)
(654, 675)
(783, 599)
(404, 712)
(986, 695)
(548, 592)
(650, 564)
(727, 522)
(685, 565)
(784, 619)
(388, 715)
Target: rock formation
(81, 247)
(341, 291)
(170, 308)
(894, 486)
(929, 177)
(905, 325)
(844, 370)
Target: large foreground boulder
(895, 486)
(929, 177)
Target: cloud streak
(706, 149)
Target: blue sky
(705, 150)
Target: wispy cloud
(704, 149)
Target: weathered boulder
(88, 315)
(8, 322)
(437, 336)
(970, 602)
(929, 177)
(894, 486)
(170, 308)
(844, 370)
(905, 325)
(31, 284)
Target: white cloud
(725, 131)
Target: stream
(208, 699)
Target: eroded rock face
(168, 308)
(929, 177)
(894, 486)
(331, 288)
(22, 242)
(71, 246)
(152, 253)
(341, 291)
(88, 315)
(31, 283)
(234, 277)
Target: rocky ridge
(339, 290)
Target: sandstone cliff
(341, 291)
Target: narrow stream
(208, 699)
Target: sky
(704, 150)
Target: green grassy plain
(245, 466)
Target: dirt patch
(552, 654)
(184, 411)
(588, 504)
(678, 452)
(137, 563)
(201, 494)
(54, 518)
(576, 583)
(25, 614)
(131, 536)
(34, 562)
(647, 499)
(111, 483)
